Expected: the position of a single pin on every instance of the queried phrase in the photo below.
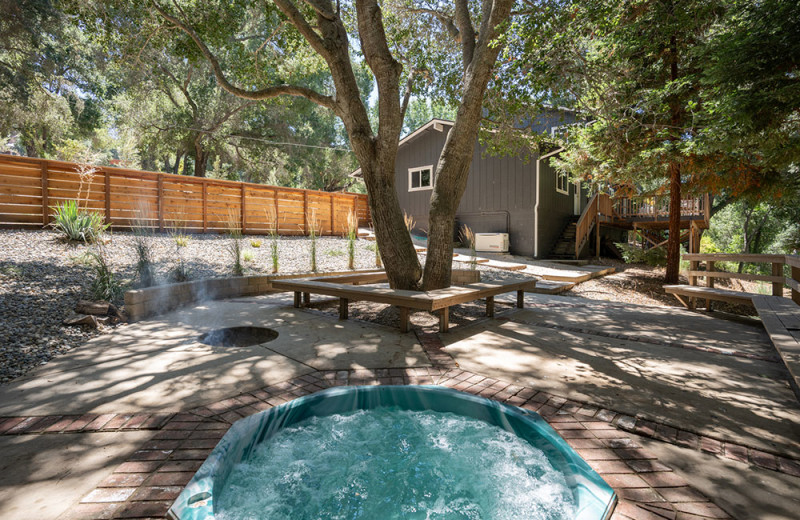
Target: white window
(420, 178)
(562, 182)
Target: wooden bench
(688, 294)
(439, 300)
(781, 319)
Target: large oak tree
(341, 36)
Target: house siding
(500, 195)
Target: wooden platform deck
(781, 319)
(439, 300)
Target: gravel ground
(42, 277)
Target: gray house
(530, 201)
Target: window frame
(419, 169)
(562, 175)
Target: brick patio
(149, 481)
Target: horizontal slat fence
(29, 188)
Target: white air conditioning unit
(494, 242)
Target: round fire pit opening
(238, 336)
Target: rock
(98, 308)
(83, 319)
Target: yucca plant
(105, 285)
(78, 224)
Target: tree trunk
(201, 156)
(674, 239)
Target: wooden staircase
(564, 248)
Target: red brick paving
(149, 481)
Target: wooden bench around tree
(439, 300)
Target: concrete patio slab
(158, 365)
(41, 476)
(728, 397)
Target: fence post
(777, 270)
(205, 206)
(45, 196)
(710, 267)
(244, 209)
(160, 202)
(355, 210)
(107, 180)
(795, 288)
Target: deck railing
(599, 205)
(777, 278)
(657, 207)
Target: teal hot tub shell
(594, 498)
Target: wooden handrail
(777, 278)
(656, 207)
(599, 205)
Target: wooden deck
(781, 319)
(780, 316)
(439, 300)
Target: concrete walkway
(668, 365)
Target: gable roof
(436, 124)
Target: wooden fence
(29, 188)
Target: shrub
(334, 252)
(105, 285)
(78, 224)
(656, 256)
(313, 223)
(273, 238)
(145, 269)
(468, 239)
(248, 256)
(181, 240)
(255, 243)
(352, 233)
(235, 244)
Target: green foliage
(334, 252)
(248, 256)
(105, 285)
(234, 249)
(181, 240)
(273, 251)
(656, 256)
(76, 224)
(255, 243)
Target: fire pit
(238, 336)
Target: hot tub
(419, 487)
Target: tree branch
(464, 23)
(255, 95)
(445, 19)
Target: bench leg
(306, 299)
(343, 308)
(681, 299)
(520, 299)
(297, 300)
(444, 320)
(490, 306)
(692, 303)
(403, 319)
